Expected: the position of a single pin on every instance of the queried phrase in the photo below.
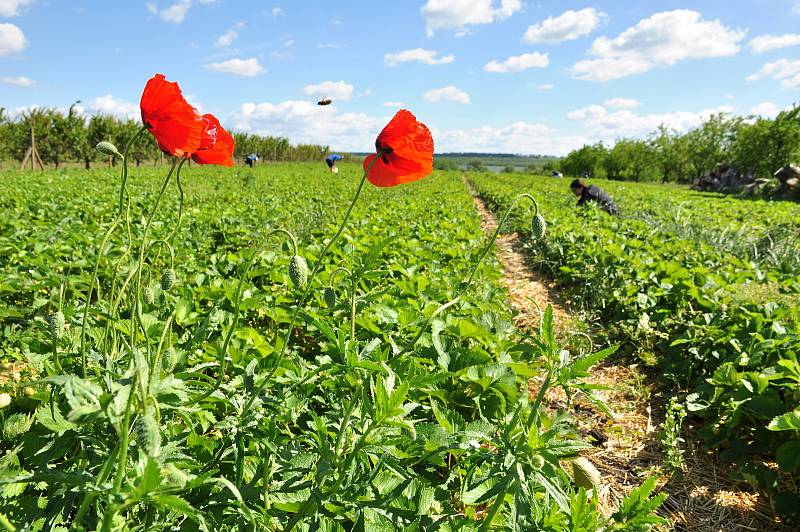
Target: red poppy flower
(404, 152)
(216, 144)
(176, 125)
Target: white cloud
(306, 122)
(276, 11)
(546, 87)
(518, 63)
(303, 121)
(568, 26)
(394, 104)
(660, 40)
(600, 123)
(19, 81)
(12, 40)
(108, 105)
(784, 70)
(796, 8)
(288, 43)
(765, 43)
(419, 55)
(766, 110)
(227, 38)
(449, 93)
(622, 103)
(336, 90)
(12, 8)
(458, 14)
(174, 13)
(239, 67)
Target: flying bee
(325, 101)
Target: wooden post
(33, 147)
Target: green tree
(710, 144)
(588, 160)
(762, 145)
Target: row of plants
(275, 350)
(731, 353)
(765, 232)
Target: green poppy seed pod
(5, 400)
(149, 295)
(148, 434)
(330, 297)
(298, 271)
(585, 473)
(168, 279)
(537, 460)
(107, 148)
(538, 227)
(55, 324)
(169, 359)
(28, 391)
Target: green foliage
(671, 440)
(754, 145)
(721, 317)
(70, 137)
(209, 407)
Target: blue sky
(485, 75)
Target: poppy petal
(221, 151)
(174, 123)
(408, 152)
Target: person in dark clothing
(250, 159)
(594, 194)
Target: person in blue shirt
(331, 159)
(250, 159)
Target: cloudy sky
(485, 75)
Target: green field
(391, 391)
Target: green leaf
(787, 421)
(788, 456)
(52, 419)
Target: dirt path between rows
(627, 447)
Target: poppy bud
(168, 279)
(107, 148)
(330, 297)
(538, 227)
(169, 360)
(5, 400)
(149, 295)
(148, 434)
(28, 391)
(55, 324)
(585, 473)
(298, 271)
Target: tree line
(71, 136)
(753, 145)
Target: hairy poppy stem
(307, 291)
(123, 190)
(222, 360)
(465, 286)
(135, 323)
